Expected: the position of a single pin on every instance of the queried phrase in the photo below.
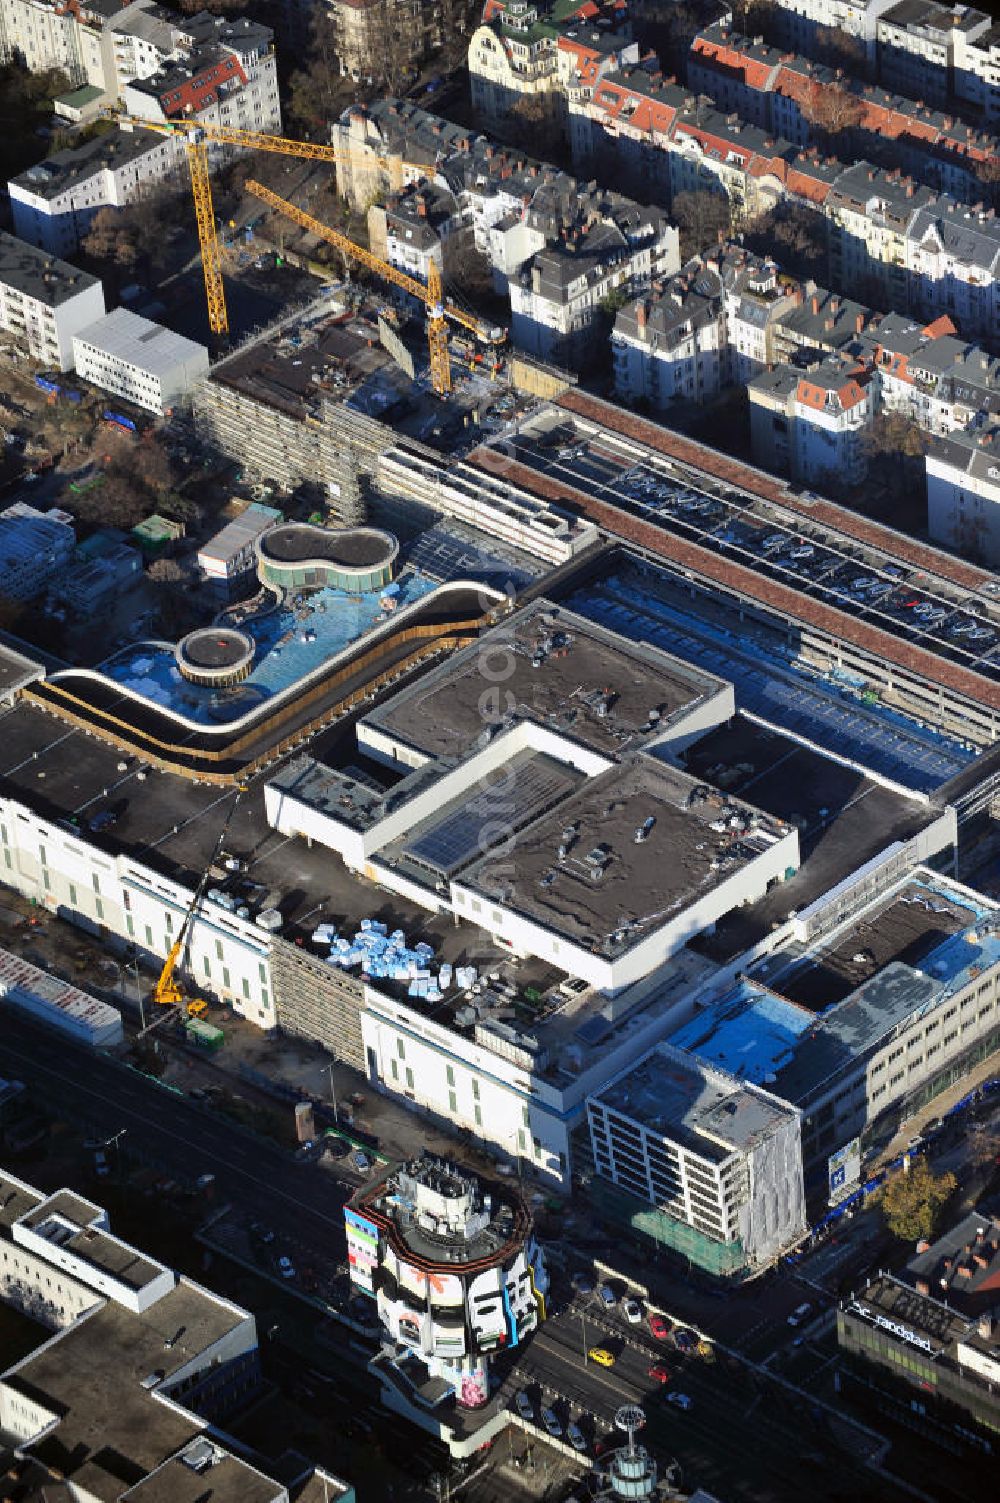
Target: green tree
(913, 1200)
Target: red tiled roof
(726, 572)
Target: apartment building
(928, 373)
(77, 39)
(544, 53)
(700, 1161)
(360, 28)
(791, 95)
(35, 546)
(869, 211)
(811, 424)
(710, 326)
(558, 248)
(416, 228)
(44, 301)
(557, 297)
(54, 202)
(139, 360)
(963, 491)
(952, 259)
(801, 24)
(919, 52)
(223, 72)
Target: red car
(659, 1327)
(659, 1373)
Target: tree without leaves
(166, 571)
(913, 1201)
(703, 218)
(832, 108)
(795, 234)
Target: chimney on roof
(923, 1245)
(859, 324)
(828, 324)
(923, 1287)
(815, 305)
(985, 1326)
(640, 314)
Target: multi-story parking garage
(915, 628)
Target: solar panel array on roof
(470, 828)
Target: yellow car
(601, 1356)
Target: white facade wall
(136, 1298)
(963, 509)
(227, 956)
(45, 331)
(522, 1113)
(754, 1195)
(157, 388)
(528, 936)
(58, 222)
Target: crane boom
(430, 293)
(168, 990)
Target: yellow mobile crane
(430, 293)
(168, 990)
(197, 137)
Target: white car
(680, 1401)
(551, 1422)
(286, 1268)
(633, 1311)
(524, 1406)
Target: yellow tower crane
(430, 293)
(197, 138)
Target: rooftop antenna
(631, 1419)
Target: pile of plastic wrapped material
(387, 957)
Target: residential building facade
(54, 203)
(44, 302)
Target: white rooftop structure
(139, 360)
(57, 1003)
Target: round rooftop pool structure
(299, 555)
(216, 656)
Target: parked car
(800, 1314)
(659, 1327)
(101, 1166)
(575, 1436)
(659, 1372)
(606, 1295)
(582, 1283)
(361, 1161)
(601, 1356)
(685, 1341)
(680, 1401)
(633, 1310)
(551, 1422)
(286, 1268)
(524, 1406)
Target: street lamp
(329, 1069)
(122, 967)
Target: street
(166, 1129)
(744, 1435)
